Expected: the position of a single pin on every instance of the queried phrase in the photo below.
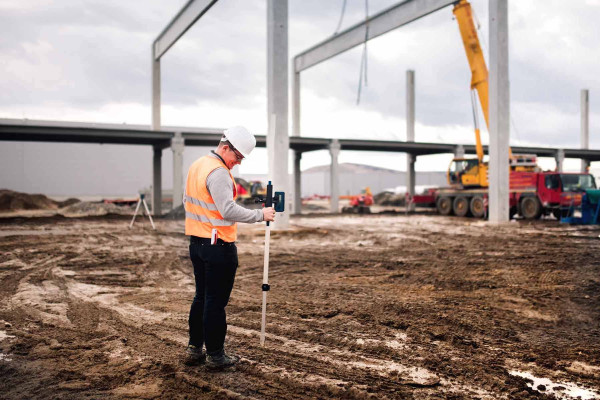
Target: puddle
(561, 390)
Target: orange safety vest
(201, 214)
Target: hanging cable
(363, 62)
(339, 25)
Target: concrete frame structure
(499, 112)
(27, 130)
(277, 88)
(185, 18)
(378, 24)
(585, 126)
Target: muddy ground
(377, 306)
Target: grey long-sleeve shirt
(220, 186)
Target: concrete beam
(185, 18)
(334, 176)
(383, 22)
(157, 181)
(177, 146)
(278, 141)
(499, 112)
(585, 126)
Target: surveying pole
(278, 201)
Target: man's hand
(268, 214)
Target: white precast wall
(354, 178)
(278, 142)
(499, 112)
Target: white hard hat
(241, 139)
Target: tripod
(140, 201)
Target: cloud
(89, 60)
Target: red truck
(532, 194)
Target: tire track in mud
(332, 312)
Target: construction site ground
(373, 306)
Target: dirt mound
(389, 199)
(15, 201)
(67, 202)
(90, 209)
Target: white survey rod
(265, 285)
(265, 282)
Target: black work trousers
(214, 271)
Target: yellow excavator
(473, 172)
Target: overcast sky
(89, 60)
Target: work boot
(194, 355)
(221, 361)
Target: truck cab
(554, 189)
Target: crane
(465, 172)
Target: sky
(89, 61)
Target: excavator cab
(467, 172)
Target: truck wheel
(444, 205)
(476, 207)
(461, 206)
(531, 208)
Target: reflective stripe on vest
(201, 213)
(200, 203)
(213, 222)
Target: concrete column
(278, 142)
(410, 134)
(585, 126)
(499, 112)
(297, 183)
(410, 178)
(334, 176)
(177, 146)
(559, 157)
(157, 181)
(296, 132)
(459, 151)
(155, 94)
(410, 106)
(296, 105)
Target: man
(211, 214)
